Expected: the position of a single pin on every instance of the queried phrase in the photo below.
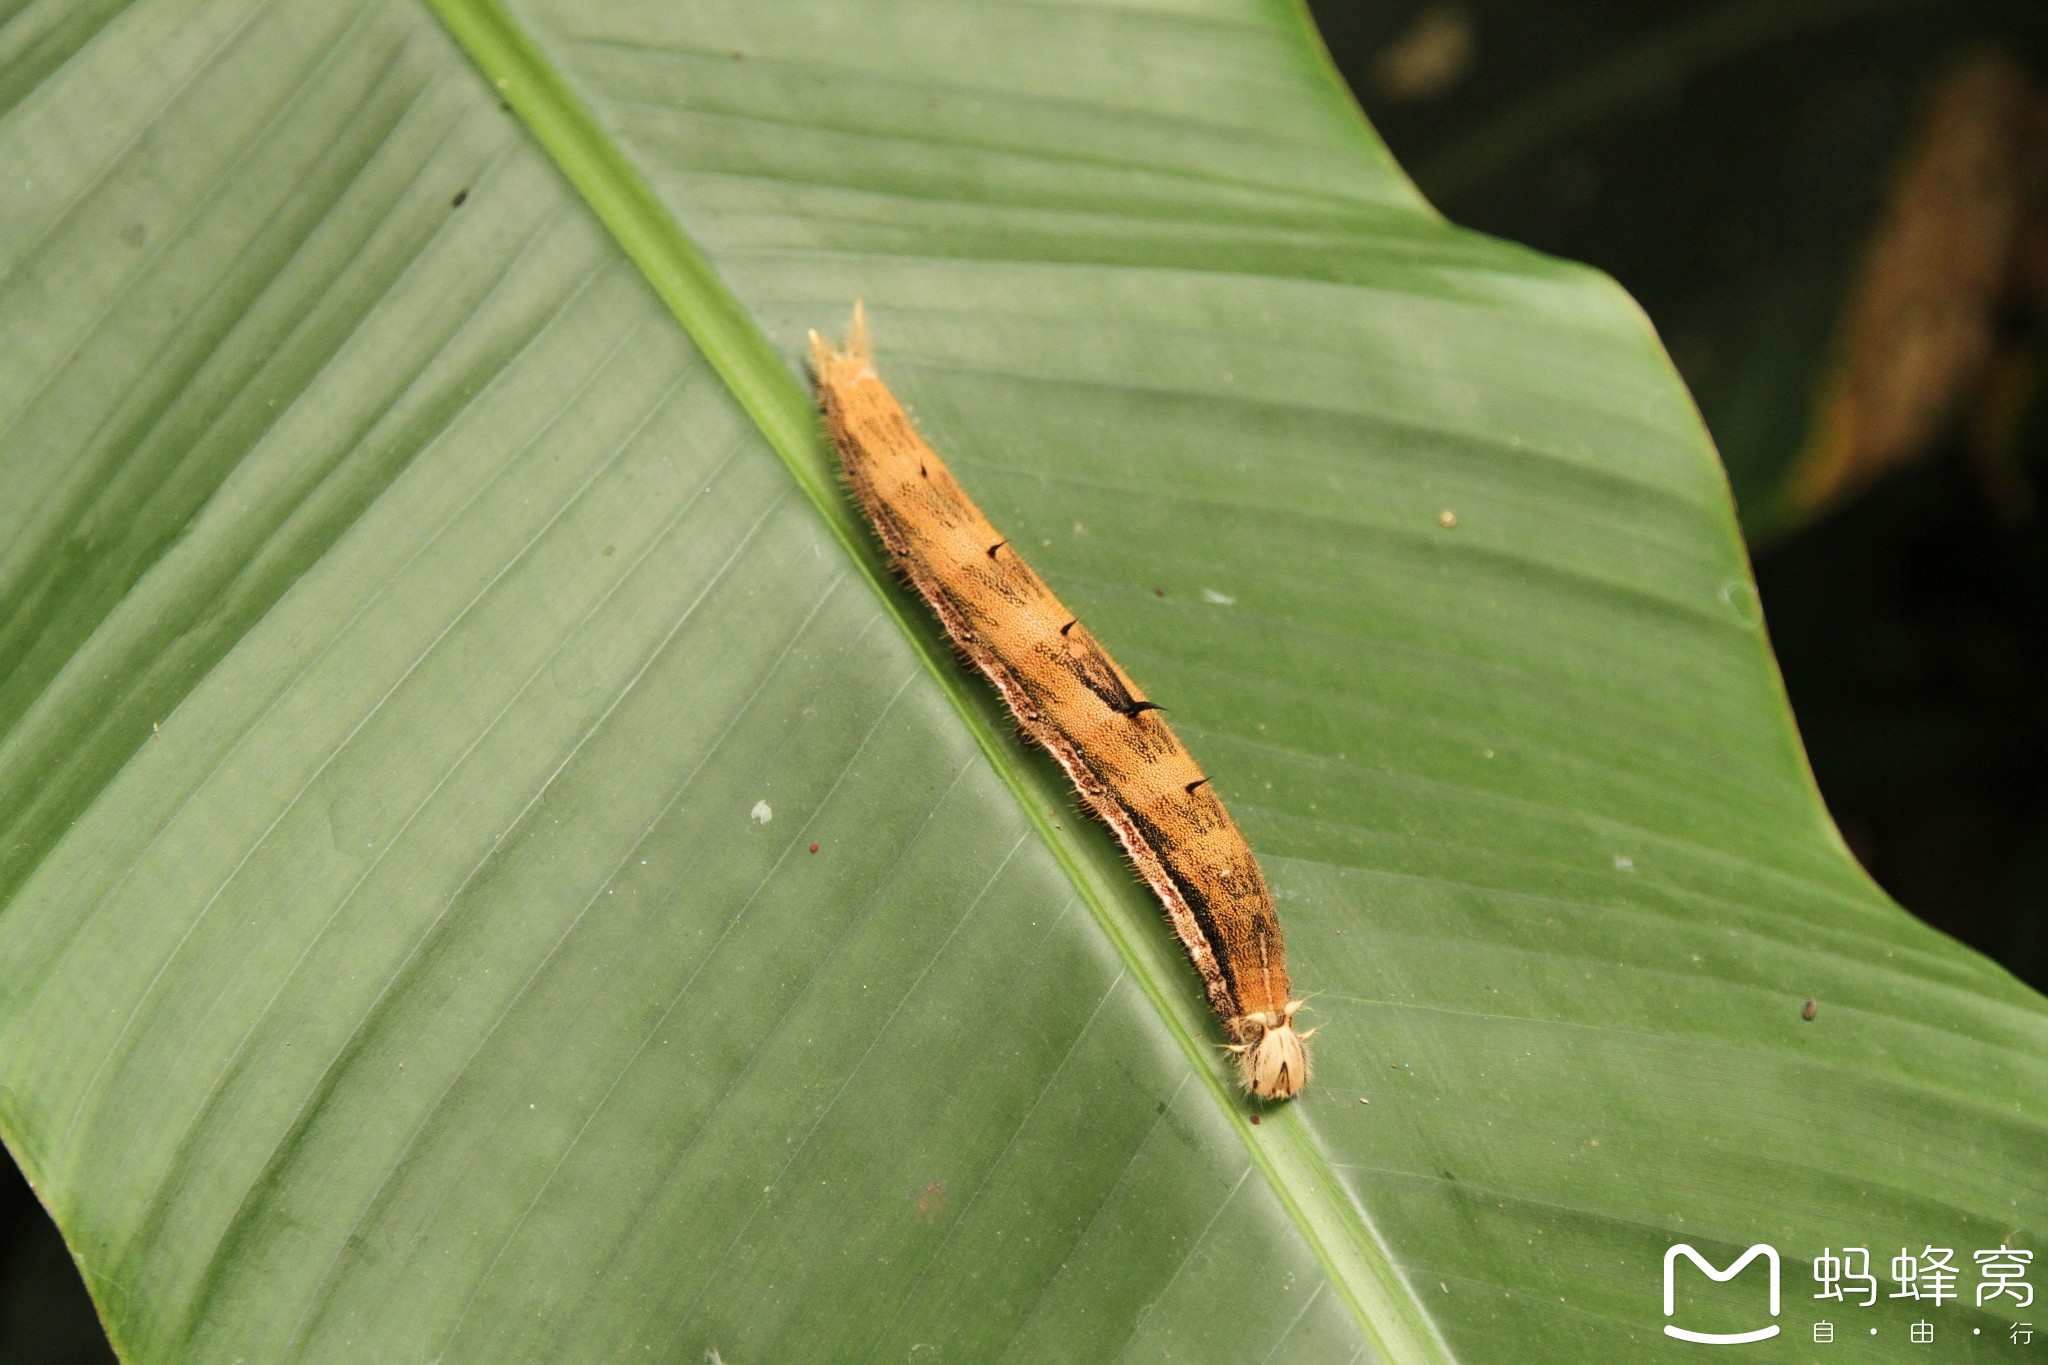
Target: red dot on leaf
(814, 848)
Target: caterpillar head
(1271, 1056)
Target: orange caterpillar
(1070, 697)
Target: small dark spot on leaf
(1812, 1008)
(611, 549)
(460, 196)
(1255, 1118)
(135, 234)
(739, 56)
(1159, 592)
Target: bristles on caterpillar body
(1070, 697)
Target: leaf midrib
(1350, 1251)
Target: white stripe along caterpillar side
(1072, 698)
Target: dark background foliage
(1827, 207)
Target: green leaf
(431, 644)
(1736, 164)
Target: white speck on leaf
(1624, 863)
(1219, 599)
(761, 813)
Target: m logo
(1769, 1253)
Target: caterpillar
(1073, 700)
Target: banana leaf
(492, 868)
